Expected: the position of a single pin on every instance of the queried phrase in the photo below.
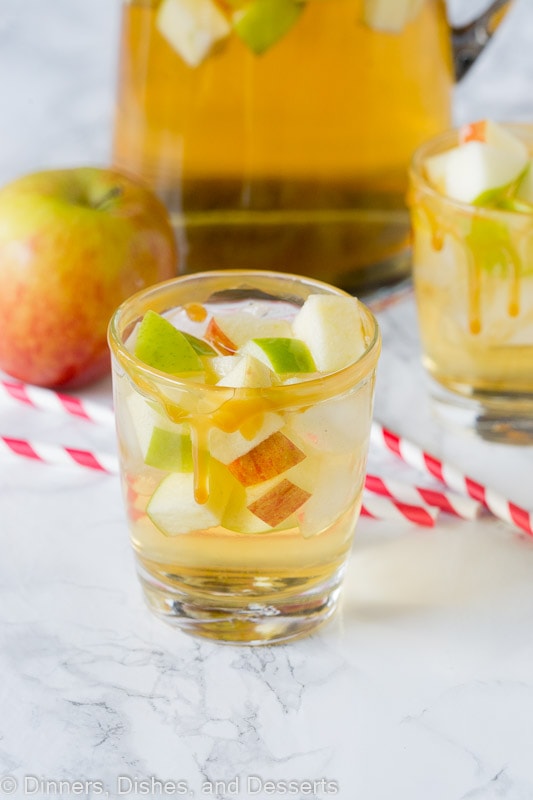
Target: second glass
(473, 277)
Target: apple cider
(473, 277)
(291, 151)
(243, 472)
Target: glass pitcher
(278, 132)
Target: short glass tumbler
(473, 280)
(205, 561)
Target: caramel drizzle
(439, 230)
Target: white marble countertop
(422, 686)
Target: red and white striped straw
(50, 400)
(451, 503)
(57, 454)
(450, 476)
(384, 508)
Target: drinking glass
(259, 559)
(473, 280)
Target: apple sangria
(278, 132)
(472, 211)
(243, 404)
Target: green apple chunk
(262, 23)
(282, 354)
(162, 346)
(477, 172)
(199, 346)
(174, 510)
(163, 444)
(330, 326)
(171, 451)
(191, 27)
(234, 330)
(145, 416)
(524, 191)
(249, 372)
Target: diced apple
(170, 451)
(162, 346)
(237, 515)
(249, 372)
(226, 447)
(524, 191)
(282, 354)
(261, 23)
(334, 426)
(390, 15)
(234, 330)
(191, 27)
(337, 486)
(330, 325)
(219, 367)
(221, 341)
(496, 135)
(279, 503)
(199, 346)
(271, 457)
(145, 417)
(435, 168)
(474, 168)
(174, 510)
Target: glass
(473, 279)
(294, 158)
(236, 578)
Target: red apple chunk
(269, 458)
(219, 340)
(279, 503)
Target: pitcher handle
(469, 40)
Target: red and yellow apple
(74, 244)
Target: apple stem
(112, 194)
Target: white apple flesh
(331, 328)
(191, 27)
(473, 168)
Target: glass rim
(361, 367)
(439, 144)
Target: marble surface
(422, 685)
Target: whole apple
(74, 244)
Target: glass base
(234, 620)
(506, 419)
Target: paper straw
(450, 476)
(57, 454)
(50, 400)
(386, 509)
(463, 507)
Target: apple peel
(279, 503)
(271, 457)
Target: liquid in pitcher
(287, 152)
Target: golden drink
(244, 537)
(297, 156)
(473, 277)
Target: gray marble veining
(420, 688)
